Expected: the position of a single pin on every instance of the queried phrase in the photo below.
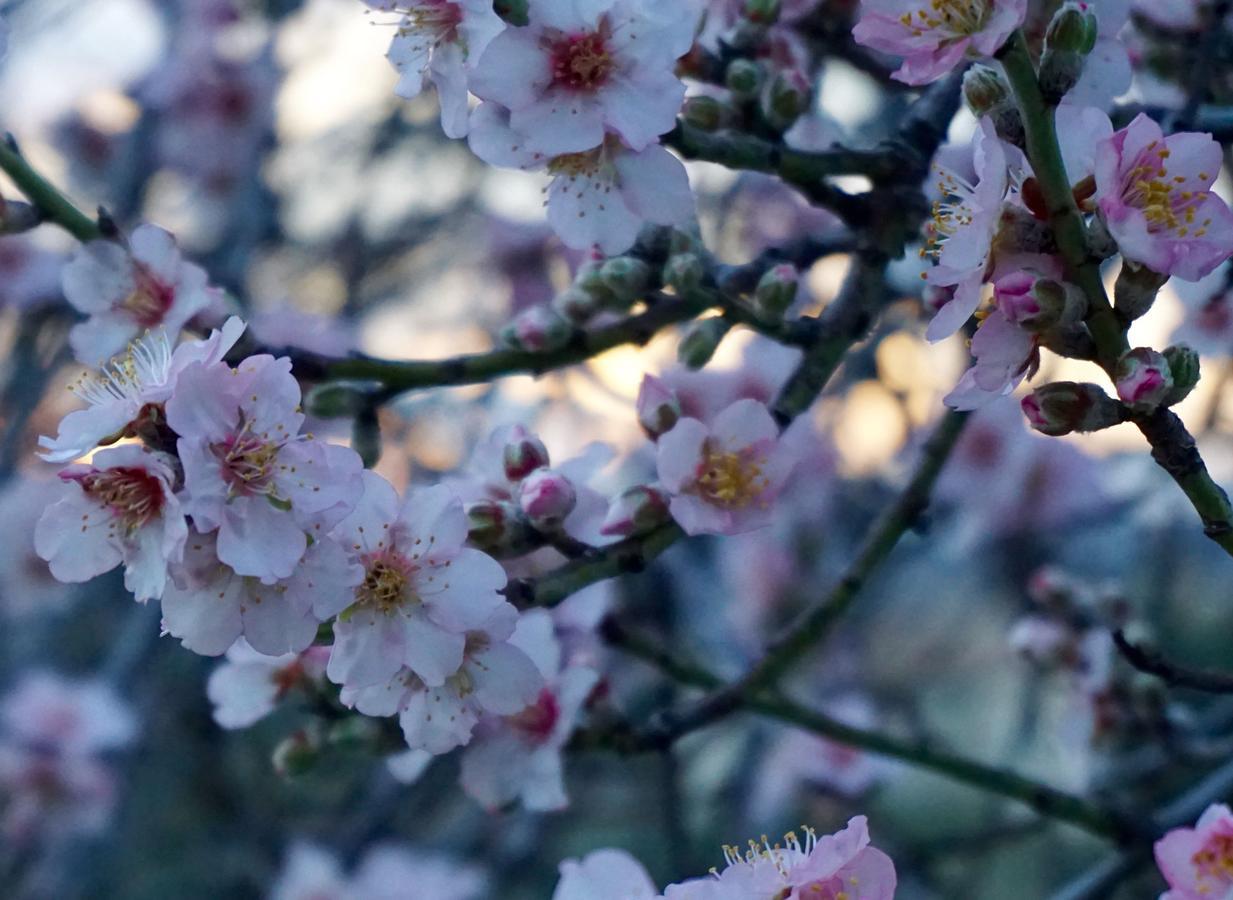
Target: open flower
(604, 875)
(724, 478)
(119, 509)
(248, 685)
(935, 36)
(1198, 862)
(126, 291)
(581, 70)
(1154, 193)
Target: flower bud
(1135, 290)
(626, 277)
(1073, 29)
(547, 497)
(705, 113)
(577, 305)
(636, 512)
(353, 733)
(17, 217)
(658, 407)
(1060, 67)
(297, 753)
(340, 399)
(523, 454)
(588, 279)
(744, 78)
(684, 272)
(786, 98)
(539, 329)
(1143, 379)
(762, 12)
(1183, 369)
(1065, 406)
(776, 290)
(1021, 232)
(499, 528)
(512, 11)
(985, 89)
(1038, 304)
(701, 341)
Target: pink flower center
(1148, 385)
(132, 494)
(150, 299)
(1214, 862)
(539, 719)
(248, 464)
(730, 480)
(1161, 197)
(581, 62)
(959, 17)
(387, 582)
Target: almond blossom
(386, 872)
(119, 509)
(441, 41)
(604, 875)
(1154, 194)
(579, 71)
(1198, 862)
(724, 478)
(935, 36)
(494, 677)
(600, 196)
(248, 473)
(130, 387)
(249, 685)
(209, 605)
(125, 291)
(422, 590)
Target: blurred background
(267, 137)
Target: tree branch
(51, 204)
(1153, 662)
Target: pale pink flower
(604, 875)
(1106, 69)
(249, 685)
(248, 473)
(1154, 193)
(724, 478)
(120, 509)
(310, 873)
(600, 196)
(209, 606)
(547, 497)
(493, 677)
(119, 393)
(386, 872)
(579, 71)
(965, 220)
(128, 290)
(441, 41)
(935, 37)
(1208, 326)
(69, 716)
(519, 756)
(27, 587)
(1004, 354)
(422, 592)
(1198, 862)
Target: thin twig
(1153, 662)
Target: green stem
(53, 205)
(630, 555)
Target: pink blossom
(441, 41)
(725, 477)
(547, 497)
(600, 196)
(423, 590)
(1198, 862)
(935, 37)
(494, 676)
(247, 472)
(1154, 193)
(69, 716)
(27, 587)
(249, 685)
(1106, 69)
(657, 405)
(519, 756)
(604, 875)
(119, 509)
(386, 872)
(119, 393)
(126, 291)
(1003, 353)
(580, 71)
(965, 220)
(209, 606)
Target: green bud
(297, 754)
(353, 732)
(1073, 29)
(538, 329)
(627, 277)
(1065, 406)
(701, 341)
(1060, 70)
(577, 305)
(985, 89)
(1135, 290)
(684, 272)
(776, 290)
(744, 78)
(588, 279)
(499, 529)
(786, 99)
(1184, 369)
(512, 11)
(340, 399)
(705, 113)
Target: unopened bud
(512, 11)
(1019, 231)
(1066, 406)
(546, 497)
(1008, 123)
(985, 89)
(1038, 304)
(636, 512)
(776, 290)
(701, 341)
(588, 279)
(353, 732)
(658, 407)
(340, 399)
(705, 113)
(744, 78)
(577, 305)
(1143, 379)
(297, 754)
(762, 12)
(17, 217)
(786, 98)
(499, 529)
(627, 277)
(1184, 370)
(1073, 28)
(523, 454)
(1060, 71)
(539, 329)
(1135, 290)
(684, 272)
